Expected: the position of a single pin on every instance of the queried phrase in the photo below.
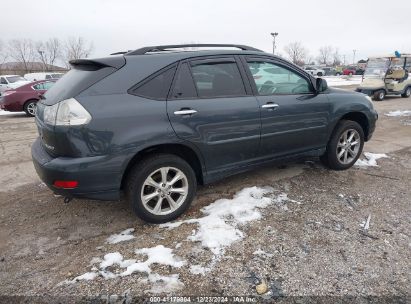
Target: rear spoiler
(99, 63)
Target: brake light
(68, 112)
(65, 184)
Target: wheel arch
(185, 152)
(28, 100)
(359, 118)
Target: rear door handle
(270, 105)
(185, 112)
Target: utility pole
(42, 59)
(353, 57)
(274, 35)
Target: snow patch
(371, 159)
(163, 284)
(262, 253)
(219, 228)
(398, 113)
(125, 235)
(337, 81)
(198, 269)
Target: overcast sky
(370, 26)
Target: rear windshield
(74, 82)
(13, 79)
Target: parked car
(154, 126)
(314, 71)
(330, 71)
(24, 98)
(349, 71)
(11, 82)
(42, 76)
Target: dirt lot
(311, 245)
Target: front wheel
(30, 108)
(379, 95)
(161, 187)
(407, 93)
(345, 146)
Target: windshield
(13, 79)
(377, 67)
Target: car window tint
(184, 85)
(157, 87)
(3, 81)
(272, 79)
(218, 79)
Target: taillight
(65, 184)
(68, 112)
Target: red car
(25, 98)
(350, 71)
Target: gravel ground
(311, 246)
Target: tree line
(51, 52)
(300, 55)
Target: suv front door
(212, 106)
(294, 117)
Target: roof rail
(161, 48)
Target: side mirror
(321, 85)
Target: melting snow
(198, 269)
(371, 159)
(125, 235)
(219, 228)
(398, 113)
(334, 81)
(155, 255)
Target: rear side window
(156, 87)
(183, 85)
(218, 79)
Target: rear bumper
(97, 176)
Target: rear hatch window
(74, 82)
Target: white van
(11, 82)
(43, 76)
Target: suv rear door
(294, 117)
(212, 106)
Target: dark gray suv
(155, 122)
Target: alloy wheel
(348, 146)
(164, 190)
(31, 108)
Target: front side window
(272, 79)
(39, 86)
(218, 79)
(156, 87)
(3, 81)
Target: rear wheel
(345, 146)
(30, 108)
(161, 187)
(407, 93)
(379, 95)
(319, 74)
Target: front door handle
(185, 112)
(270, 105)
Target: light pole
(42, 59)
(353, 57)
(274, 35)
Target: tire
(30, 108)
(407, 93)
(138, 186)
(379, 95)
(350, 73)
(336, 145)
(337, 74)
(319, 74)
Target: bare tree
(22, 51)
(297, 52)
(3, 54)
(326, 53)
(76, 48)
(336, 58)
(48, 52)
